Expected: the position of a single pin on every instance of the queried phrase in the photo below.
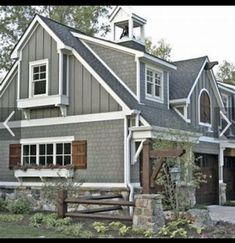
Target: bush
(10, 218)
(36, 219)
(71, 230)
(20, 206)
(3, 205)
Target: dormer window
(204, 108)
(38, 78)
(154, 84)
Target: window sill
(44, 172)
(152, 98)
(40, 101)
(205, 124)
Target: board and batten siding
(39, 46)
(121, 63)
(204, 82)
(86, 95)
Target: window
(205, 108)
(47, 154)
(38, 77)
(154, 84)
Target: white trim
(110, 70)
(4, 81)
(168, 91)
(31, 65)
(153, 97)
(137, 78)
(5, 88)
(208, 139)
(101, 81)
(144, 122)
(43, 140)
(228, 125)
(226, 96)
(228, 89)
(178, 101)
(107, 43)
(108, 116)
(196, 81)
(37, 101)
(60, 71)
(68, 81)
(199, 102)
(181, 115)
(18, 82)
(30, 28)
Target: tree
(15, 19)
(226, 72)
(163, 50)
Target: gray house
(81, 107)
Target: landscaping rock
(202, 218)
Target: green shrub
(75, 230)
(116, 225)
(3, 205)
(20, 206)
(36, 219)
(10, 217)
(100, 227)
(50, 220)
(124, 230)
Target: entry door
(208, 192)
(229, 177)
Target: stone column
(222, 193)
(148, 212)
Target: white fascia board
(110, 70)
(107, 116)
(158, 61)
(5, 80)
(208, 139)
(227, 144)
(101, 81)
(50, 32)
(114, 12)
(107, 43)
(178, 102)
(47, 140)
(226, 89)
(196, 81)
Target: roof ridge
(191, 59)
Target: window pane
(59, 160)
(49, 160)
(40, 87)
(35, 76)
(59, 148)
(49, 148)
(25, 160)
(43, 68)
(157, 79)
(35, 69)
(157, 90)
(33, 160)
(32, 149)
(26, 150)
(149, 88)
(67, 160)
(67, 148)
(42, 149)
(42, 75)
(42, 160)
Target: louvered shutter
(14, 155)
(79, 154)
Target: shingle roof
(182, 79)
(152, 114)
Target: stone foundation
(222, 193)
(148, 212)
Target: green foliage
(11, 217)
(20, 206)
(124, 230)
(116, 225)
(143, 232)
(100, 227)
(71, 230)
(163, 50)
(15, 19)
(226, 72)
(36, 219)
(3, 205)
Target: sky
(192, 31)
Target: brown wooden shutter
(79, 154)
(14, 155)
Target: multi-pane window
(39, 73)
(47, 154)
(205, 108)
(154, 83)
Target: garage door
(229, 177)
(208, 192)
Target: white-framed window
(38, 78)
(46, 154)
(154, 84)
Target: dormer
(127, 28)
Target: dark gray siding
(206, 148)
(204, 82)
(104, 152)
(121, 63)
(86, 95)
(40, 46)
(142, 89)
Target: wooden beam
(61, 205)
(146, 167)
(156, 171)
(168, 153)
(100, 202)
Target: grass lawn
(13, 230)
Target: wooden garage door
(208, 192)
(229, 177)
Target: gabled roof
(228, 87)
(185, 76)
